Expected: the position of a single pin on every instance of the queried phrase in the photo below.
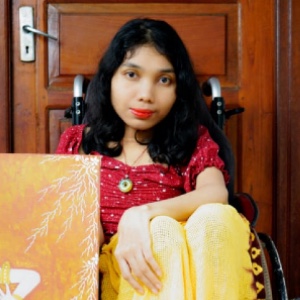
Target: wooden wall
(287, 187)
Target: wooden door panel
(57, 125)
(209, 31)
(82, 47)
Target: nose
(146, 91)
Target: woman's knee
(166, 233)
(217, 219)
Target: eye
(131, 74)
(165, 80)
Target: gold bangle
(5, 273)
(17, 297)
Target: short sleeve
(205, 155)
(70, 140)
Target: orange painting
(49, 226)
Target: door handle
(27, 32)
(28, 28)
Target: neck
(134, 154)
(140, 136)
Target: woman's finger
(128, 276)
(144, 273)
(148, 255)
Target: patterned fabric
(205, 258)
(152, 182)
(257, 266)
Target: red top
(152, 182)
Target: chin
(142, 126)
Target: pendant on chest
(125, 185)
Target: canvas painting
(49, 226)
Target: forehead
(146, 52)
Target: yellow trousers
(205, 258)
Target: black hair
(174, 138)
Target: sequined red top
(152, 182)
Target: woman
(166, 175)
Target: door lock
(27, 31)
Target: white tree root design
(84, 176)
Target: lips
(141, 113)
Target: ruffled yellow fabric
(205, 258)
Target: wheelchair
(274, 285)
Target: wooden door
(222, 38)
(84, 31)
(230, 39)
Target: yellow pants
(205, 258)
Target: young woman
(166, 175)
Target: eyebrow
(131, 65)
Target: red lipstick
(141, 113)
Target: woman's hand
(134, 253)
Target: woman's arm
(134, 252)
(210, 188)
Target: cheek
(169, 100)
(120, 90)
(116, 94)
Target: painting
(49, 226)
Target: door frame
(5, 77)
(287, 190)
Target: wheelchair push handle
(212, 88)
(78, 107)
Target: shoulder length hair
(174, 138)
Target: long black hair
(174, 138)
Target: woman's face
(143, 89)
